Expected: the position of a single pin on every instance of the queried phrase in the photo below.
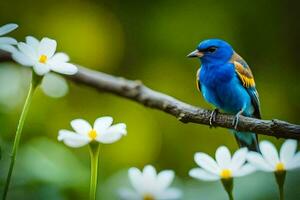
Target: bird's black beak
(195, 54)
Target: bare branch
(184, 112)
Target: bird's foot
(212, 117)
(236, 119)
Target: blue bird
(226, 81)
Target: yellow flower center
(226, 173)
(148, 197)
(92, 134)
(43, 59)
(280, 167)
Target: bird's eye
(212, 49)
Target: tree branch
(136, 91)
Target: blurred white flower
(7, 42)
(270, 161)
(102, 132)
(54, 85)
(148, 185)
(12, 94)
(42, 57)
(224, 167)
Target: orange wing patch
(244, 74)
(243, 71)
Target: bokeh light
(147, 41)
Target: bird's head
(212, 51)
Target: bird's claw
(235, 122)
(212, 117)
(236, 119)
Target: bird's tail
(246, 139)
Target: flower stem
(34, 83)
(94, 154)
(280, 178)
(228, 186)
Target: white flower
(102, 132)
(148, 185)
(42, 57)
(224, 167)
(270, 161)
(7, 42)
(54, 85)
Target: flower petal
(258, 162)
(207, 163)
(63, 68)
(8, 40)
(27, 50)
(102, 123)
(22, 59)
(164, 179)
(170, 193)
(41, 69)
(112, 134)
(223, 157)
(288, 150)
(203, 175)
(7, 47)
(269, 152)
(81, 126)
(128, 194)
(294, 162)
(244, 170)
(47, 47)
(7, 28)
(120, 128)
(149, 174)
(33, 42)
(72, 139)
(109, 138)
(238, 158)
(60, 57)
(136, 179)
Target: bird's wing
(198, 84)
(245, 75)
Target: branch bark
(136, 91)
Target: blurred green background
(148, 41)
